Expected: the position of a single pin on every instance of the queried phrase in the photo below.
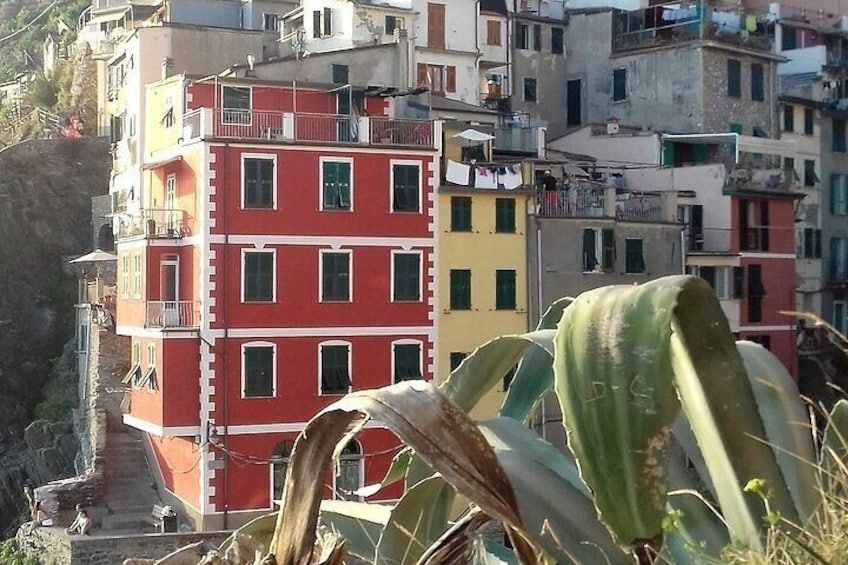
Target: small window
(838, 258)
(460, 289)
(810, 176)
(406, 188)
(406, 277)
(493, 32)
(258, 276)
(335, 185)
(335, 276)
(505, 215)
(257, 183)
(504, 289)
(258, 371)
(808, 121)
(838, 135)
(810, 243)
(530, 90)
(456, 358)
(461, 213)
(316, 23)
(407, 361)
(634, 258)
(137, 272)
(757, 83)
(619, 85)
(557, 43)
(522, 36)
(340, 74)
(335, 368)
(598, 250)
(236, 105)
(393, 23)
(279, 467)
(270, 22)
(734, 78)
(788, 118)
(537, 37)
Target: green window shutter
(407, 269)
(460, 289)
(590, 259)
(634, 259)
(834, 186)
(504, 289)
(461, 213)
(505, 215)
(608, 249)
(258, 277)
(258, 371)
(834, 250)
(343, 180)
(668, 153)
(336, 276)
(331, 187)
(407, 362)
(738, 282)
(335, 373)
(699, 153)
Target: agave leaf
(787, 425)
(359, 523)
(535, 374)
(396, 472)
(418, 519)
(834, 449)
(685, 439)
(555, 503)
(259, 529)
(460, 543)
(442, 436)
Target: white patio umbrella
(96, 256)
(472, 134)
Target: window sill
(258, 301)
(410, 301)
(405, 211)
(336, 210)
(335, 394)
(326, 301)
(243, 397)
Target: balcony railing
(639, 209)
(164, 314)
(708, 240)
(206, 123)
(579, 201)
(524, 139)
(151, 223)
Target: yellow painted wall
(161, 96)
(483, 252)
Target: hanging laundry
(457, 173)
(511, 178)
(484, 178)
(751, 23)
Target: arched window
(350, 472)
(279, 467)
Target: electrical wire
(30, 24)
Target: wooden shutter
(316, 23)
(493, 32)
(608, 248)
(738, 282)
(450, 78)
(743, 225)
(328, 22)
(421, 71)
(436, 26)
(764, 225)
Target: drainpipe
(224, 357)
(477, 46)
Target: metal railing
(151, 223)
(574, 202)
(390, 131)
(172, 314)
(523, 139)
(331, 128)
(639, 209)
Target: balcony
(162, 314)
(521, 139)
(151, 223)
(708, 241)
(759, 178)
(642, 208)
(585, 199)
(206, 123)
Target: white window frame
(249, 111)
(333, 342)
(420, 254)
(724, 282)
(599, 251)
(273, 252)
(277, 21)
(252, 345)
(321, 161)
(407, 341)
(137, 264)
(361, 461)
(267, 157)
(321, 253)
(125, 275)
(271, 465)
(416, 163)
(151, 354)
(840, 326)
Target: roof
(447, 104)
(496, 6)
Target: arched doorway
(350, 472)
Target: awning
(474, 135)
(105, 18)
(574, 170)
(96, 256)
(161, 162)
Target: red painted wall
(178, 460)
(180, 379)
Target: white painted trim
(760, 329)
(334, 241)
(334, 331)
(755, 255)
(160, 431)
(136, 354)
(138, 278)
(332, 342)
(207, 357)
(142, 242)
(125, 275)
(273, 252)
(249, 110)
(424, 153)
(255, 345)
(321, 161)
(151, 355)
(410, 162)
(349, 253)
(263, 157)
(420, 356)
(283, 427)
(138, 331)
(395, 253)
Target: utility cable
(30, 24)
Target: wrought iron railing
(172, 314)
(151, 223)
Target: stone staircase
(130, 491)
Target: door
(574, 102)
(171, 205)
(169, 290)
(436, 26)
(345, 118)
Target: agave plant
(668, 421)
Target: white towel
(511, 179)
(484, 178)
(457, 173)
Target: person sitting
(81, 524)
(39, 516)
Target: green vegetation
(11, 554)
(60, 390)
(684, 447)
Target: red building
(283, 256)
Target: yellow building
(482, 278)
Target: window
(460, 213)
(334, 362)
(258, 276)
(335, 276)
(335, 185)
(530, 90)
(460, 289)
(764, 340)
(438, 78)
(406, 188)
(456, 358)
(270, 22)
(537, 37)
(757, 88)
(839, 313)
(789, 167)
(595, 247)
(838, 194)
(406, 360)
(125, 275)
(753, 225)
(137, 275)
(619, 85)
(279, 467)
(493, 32)
(393, 23)
(258, 368)
(504, 289)
(236, 105)
(148, 379)
(809, 243)
(349, 479)
(838, 135)
(574, 102)
(436, 26)
(756, 292)
(134, 374)
(838, 258)
(557, 43)
(727, 282)
(810, 176)
(151, 354)
(406, 277)
(789, 38)
(316, 23)
(808, 121)
(522, 36)
(734, 78)
(257, 183)
(504, 215)
(788, 117)
(634, 260)
(340, 74)
(167, 120)
(734, 127)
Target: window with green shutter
(504, 289)
(757, 82)
(734, 78)
(407, 361)
(838, 135)
(634, 258)
(335, 369)
(406, 283)
(504, 215)
(258, 183)
(460, 289)
(258, 377)
(838, 258)
(335, 277)
(258, 276)
(405, 188)
(838, 190)
(460, 213)
(335, 185)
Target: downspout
(225, 322)
(477, 47)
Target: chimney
(402, 64)
(167, 67)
